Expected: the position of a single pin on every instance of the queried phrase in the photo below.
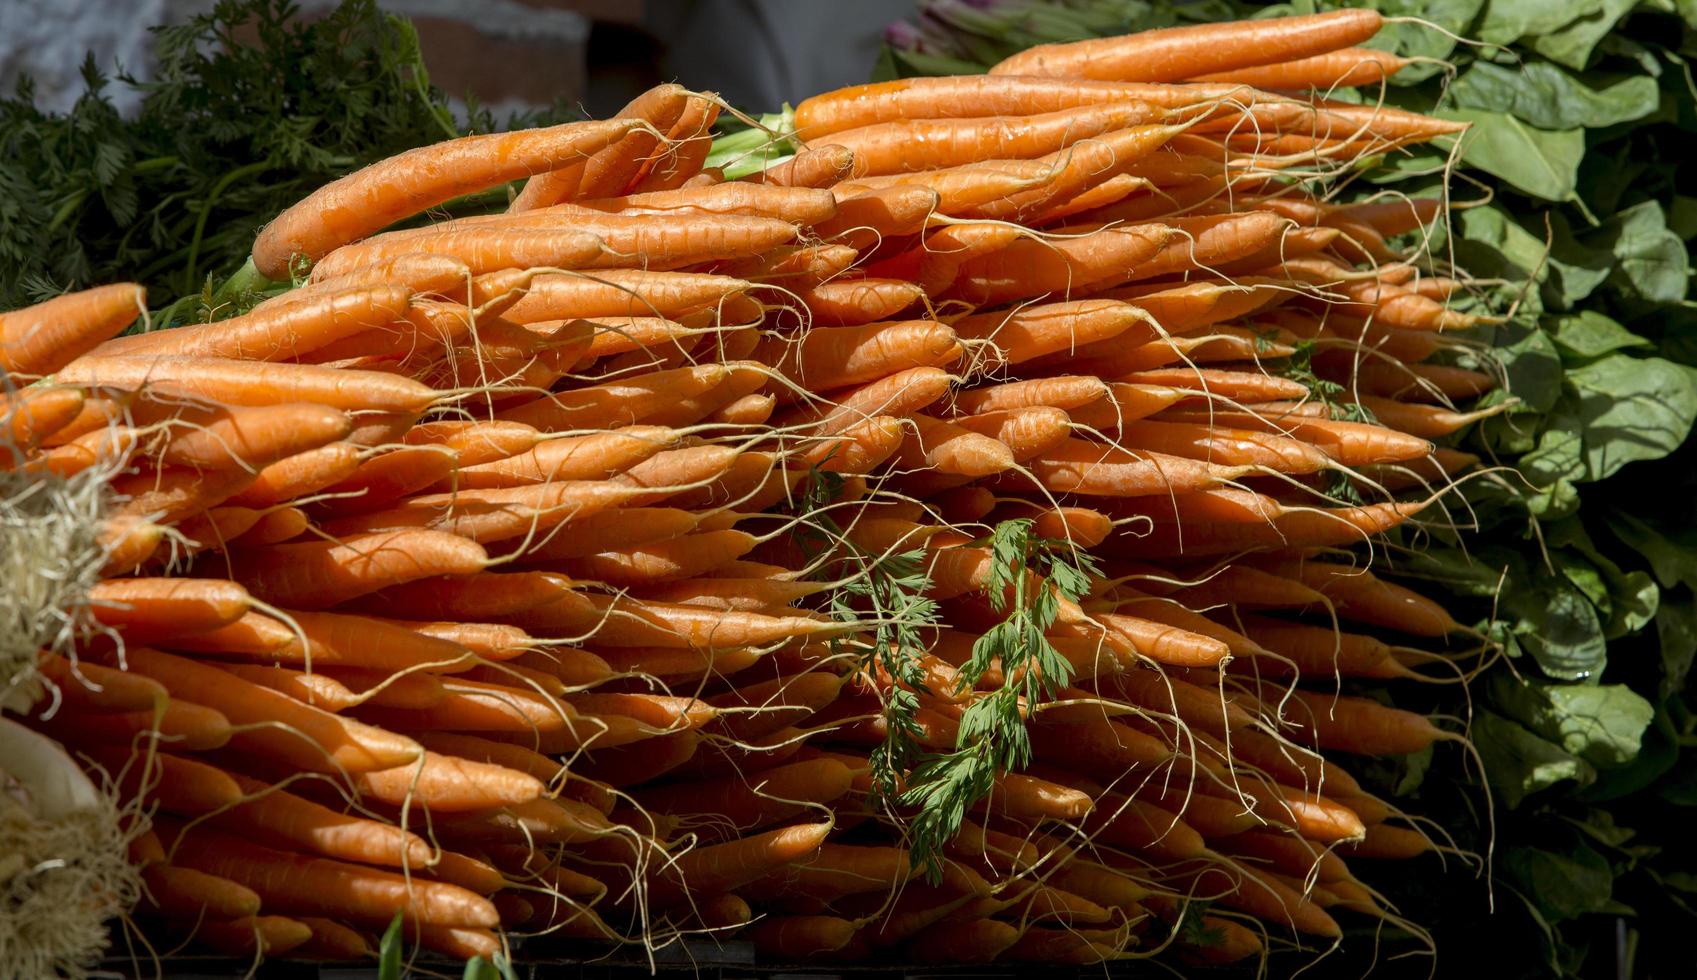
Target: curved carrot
(849, 302)
(813, 166)
(234, 382)
(408, 183)
(449, 784)
(313, 828)
(40, 339)
(347, 892)
(279, 333)
(323, 573)
(1172, 54)
(188, 895)
(835, 357)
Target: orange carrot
(350, 893)
(1031, 267)
(313, 739)
(880, 215)
(1343, 68)
(662, 561)
(849, 302)
(332, 640)
(620, 402)
(188, 895)
(363, 202)
(1076, 466)
(332, 941)
(687, 144)
(930, 144)
(316, 689)
(1176, 53)
(834, 357)
(484, 596)
(448, 784)
(85, 684)
(814, 166)
(253, 383)
(29, 416)
(323, 573)
(277, 814)
(39, 340)
(280, 333)
(1353, 724)
(179, 725)
(800, 938)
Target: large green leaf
(1603, 724)
(1653, 264)
(1629, 409)
(1542, 163)
(1563, 885)
(1519, 763)
(1572, 44)
(1546, 96)
(1507, 21)
(1588, 334)
(1557, 625)
(1672, 553)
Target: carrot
(1343, 68)
(34, 414)
(725, 867)
(1290, 855)
(887, 213)
(179, 785)
(1126, 402)
(688, 142)
(620, 402)
(621, 292)
(254, 383)
(1360, 595)
(800, 938)
(1349, 443)
(1240, 386)
(1035, 332)
(835, 357)
(41, 339)
(1139, 826)
(381, 688)
(1224, 446)
(930, 144)
(1075, 265)
(278, 815)
(1070, 945)
(1176, 53)
(1262, 896)
(490, 515)
(751, 711)
(850, 302)
(662, 561)
(315, 689)
(1320, 651)
(275, 527)
(1076, 466)
(476, 749)
(335, 640)
(84, 684)
(543, 821)
(1196, 706)
(460, 943)
(158, 606)
(952, 449)
(125, 542)
(898, 394)
(946, 251)
(484, 249)
(178, 724)
(813, 166)
(482, 596)
(303, 736)
(1359, 725)
(262, 935)
(1384, 842)
(797, 205)
(1067, 392)
(350, 893)
(324, 573)
(1394, 217)
(332, 941)
(300, 475)
(624, 164)
(749, 410)
(759, 800)
(447, 784)
(280, 333)
(189, 895)
(408, 183)
(975, 941)
(175, 494)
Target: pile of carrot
(471, 579)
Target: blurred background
(511, 55)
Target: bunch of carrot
(471, 579)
